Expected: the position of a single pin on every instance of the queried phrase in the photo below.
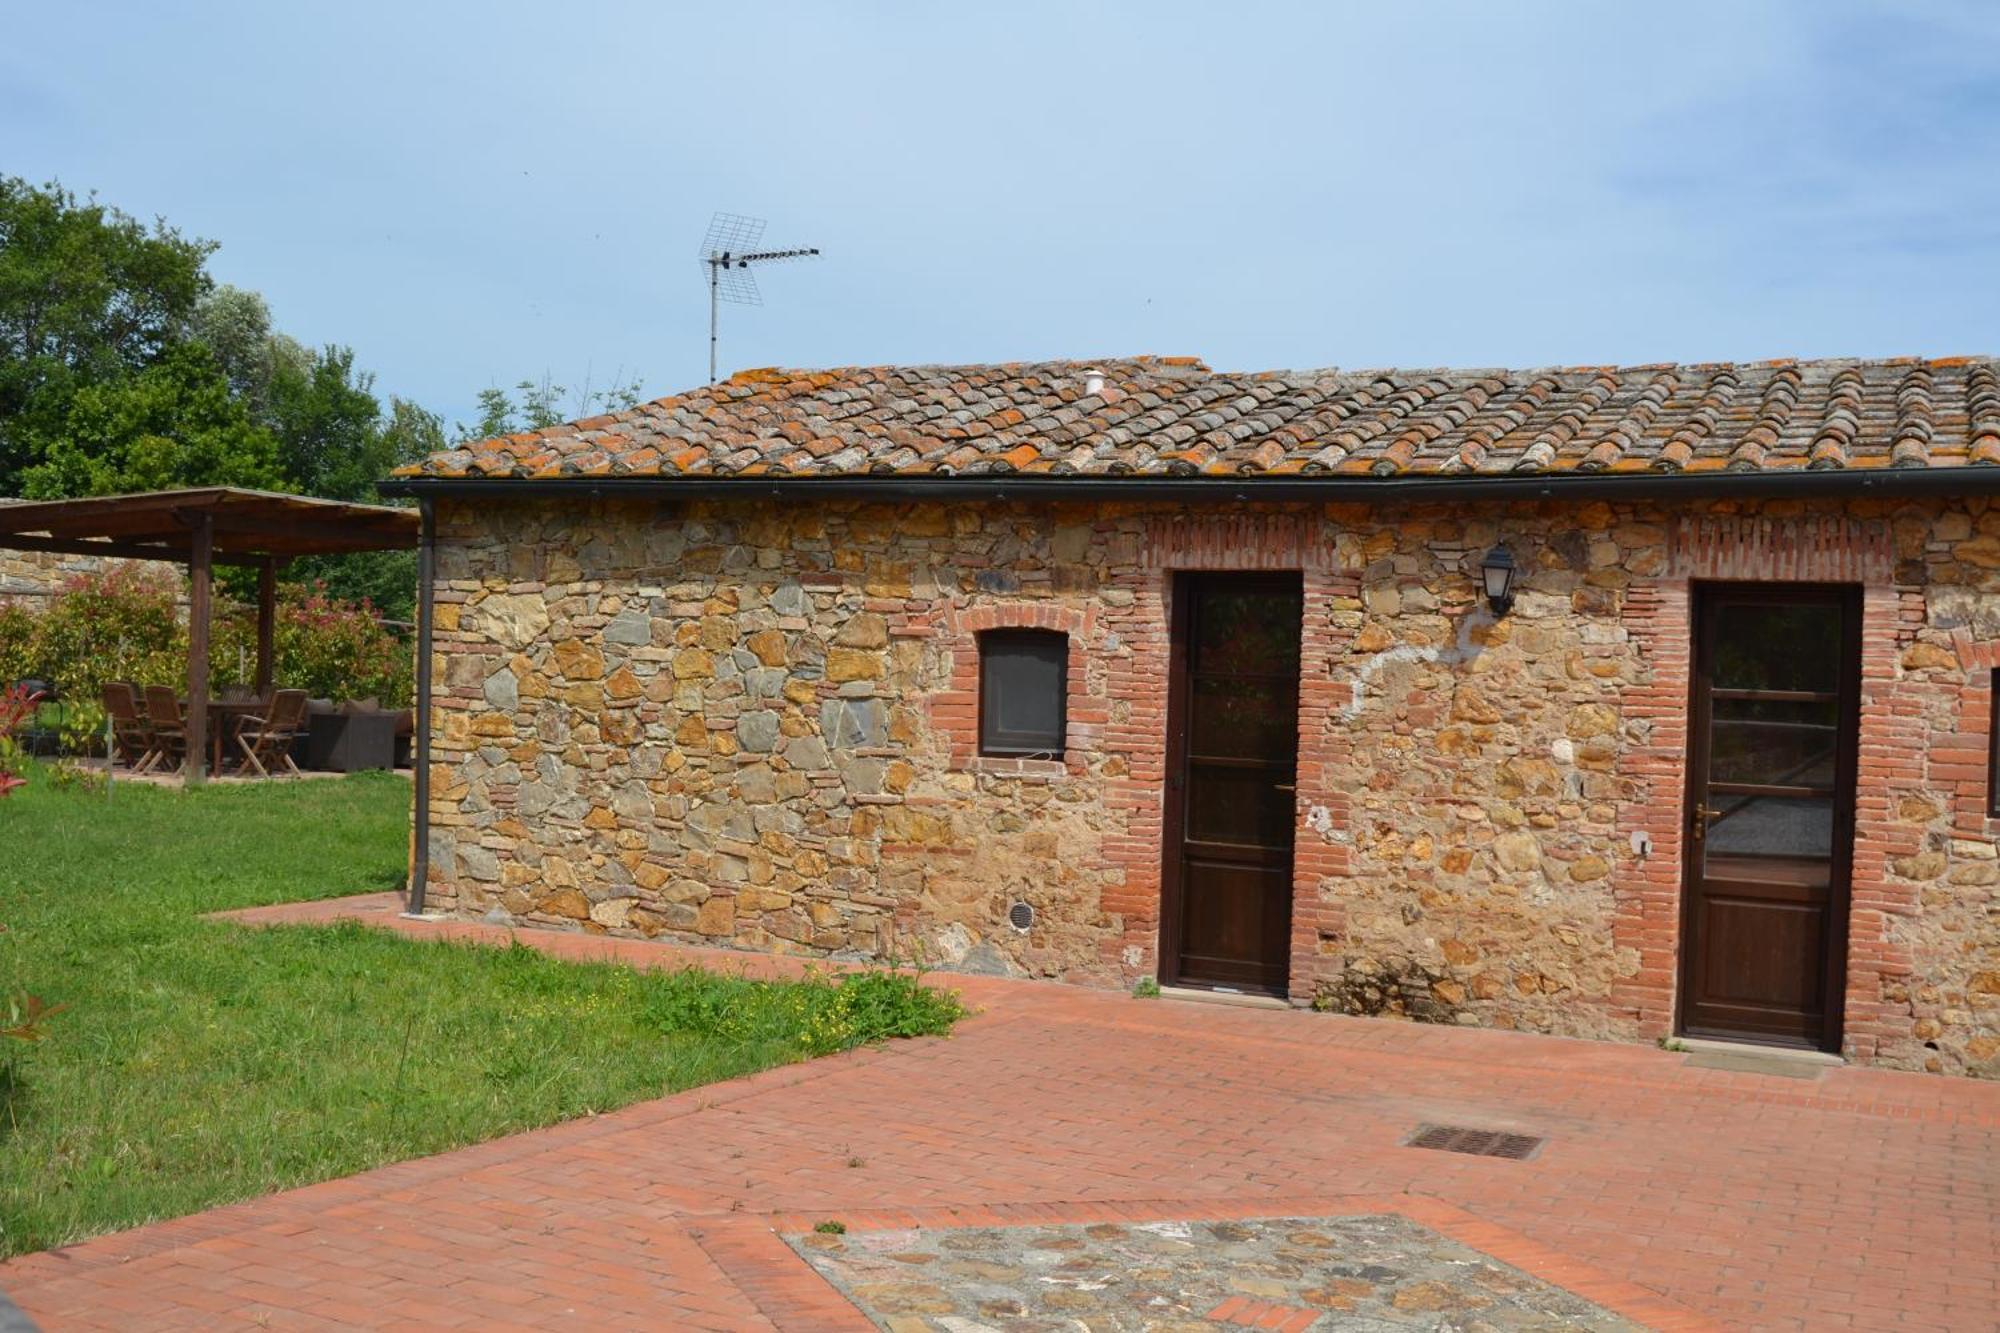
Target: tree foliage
(125, 367)
(88, 295)
(173, 424)
(543, 403)
(329, 426)
(236, 325)
(122, 624)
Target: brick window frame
(1757, 547)
(954, 711)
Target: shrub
(339, 650)
(117, 624)
(124, 624)
(80, 727)
(329, 648)
(17, 627)
(17, 705)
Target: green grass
(195, 1062)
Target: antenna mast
(727, 252)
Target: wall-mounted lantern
(1497, 568)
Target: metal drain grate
(1476, 1142)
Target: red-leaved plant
(21, 1015)
(17, 705)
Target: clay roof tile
(1175, 416)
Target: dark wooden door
(1770, 833)
(1233, 738)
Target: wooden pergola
(201, 529)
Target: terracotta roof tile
(1173, 416)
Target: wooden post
(267, 620)
(200, 557)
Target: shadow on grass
(15, 1100)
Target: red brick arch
(954, 710)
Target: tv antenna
(727, 252)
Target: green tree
(124, 367)
(496, 416)
(329, 426)
(388, 579)
(173, 424)
(88, 295)
(542, 405)
(236, 325)
(412, 432)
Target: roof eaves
(1941, 478)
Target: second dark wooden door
(1771, 757)
(1233, 762)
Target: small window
(1993, 745)
(1023, 678)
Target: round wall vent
(1021, 916)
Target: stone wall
(33, 576)
(756, 725)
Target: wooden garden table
(224, 715)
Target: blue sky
(473, 194)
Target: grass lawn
(195, 1063)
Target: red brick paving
(1263, 1314)
(1866, 1199)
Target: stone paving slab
(11, 1318)
(1374, 1271)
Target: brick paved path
(1864, 1199)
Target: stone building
(1616, 703)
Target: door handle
(1286, 786)
(1702, 814)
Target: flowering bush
(329, 648)
(17, 705)
(123, 624)
(21, 1014)
(117, 624)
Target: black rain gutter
(420, 849)
(1851, 483)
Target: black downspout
(420, 856)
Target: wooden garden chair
(131, 733)
(163, 712)
(266, 741)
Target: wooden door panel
(1237, 923)
(1762, 953)
(1773, 727)
(1232, 761)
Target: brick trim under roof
(1173, 416)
